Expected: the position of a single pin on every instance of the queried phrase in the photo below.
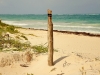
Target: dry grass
(28, 56)
(10, 58)
(53, 69)
(83, 71)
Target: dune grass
(16, 45)
(40, 48)
(24, 37)
(11, 29)
(8, 28)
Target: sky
(57, 6)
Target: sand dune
(77, 55)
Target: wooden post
(50, 38)
(0, 21)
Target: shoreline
(64, 31)
(71, 32)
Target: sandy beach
(77, 55)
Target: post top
(49, 11)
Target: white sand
(77, 55)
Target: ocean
(89, 23)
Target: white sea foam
(14, 23)
(38, 24)
(75, 26)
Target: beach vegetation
(30, 74)
(16, 44)
(61, 74)
(55, 50)
(53, 69)
(82, 70)
(3, 24)
(18, 37)
(97, 59)
(33, 35)
(8, 28)
(40, 48)
(11, 29)
(24, 37)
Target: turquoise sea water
(78, 22)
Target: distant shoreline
(72, 32)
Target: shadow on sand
(59, 59)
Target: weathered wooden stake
(50, 38)
(0, 21)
